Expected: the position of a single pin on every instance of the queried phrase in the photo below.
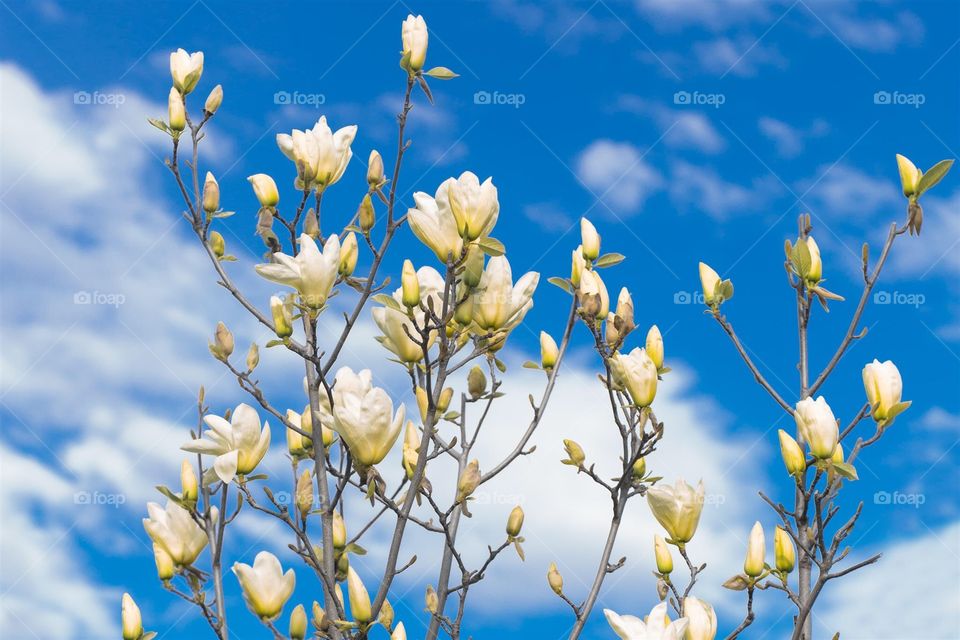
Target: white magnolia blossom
(392, 321)
(637, 373)
(175, 532)
(131, 621)
(415, 37)
(363, 416)
(656, 627)
(884, 387)
(677, 508)
(475, 206)
(701, 618)
(239, 445)
(817, 426)
(186, 69)
(311, 272)
(266, 588)
(434, 224)
(594, 298)
(498, 304)
(320, 154)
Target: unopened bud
(319, 620)
(423, 403)
(386, 615)
(783, 550)
(359, 598)
(214, 100)
(311, 225)
(348, 255)
(211, 194)
(282, 317)
(662, 553)
(756, 549)
(549, 352)
(375, 176)
(443, 402)
(473, 266)
(590, 240)
(265, 189)
(625, 311)
(410, 285)
(188, 482)
(366, 216)
(612, 333)
(339, 531)
(217, 244)
(640, 468)
(222, 346)
(909, 175)
(297, 444)
(575, 454)
(253, 357)
(298, 623)
(469, 480)
(793, 457)
(399, 633)
(515, 522)
(176, 111)
(464, 312)
(476, 382)
(431, 600)
(131, 621)
(304, 493)
(554, 579)
(654, 346)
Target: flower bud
(654, 347)
(473, 266)
(415, 37)
(909, 175)
(400, 633)
(594, 300)
(548, 351)
(366, 216)
(476, 382)
(575, 454)
(464, 312)
(640, 468)
(662, 553)
(590, 240)
(469, 480)
(431, 600)
(443, 402)
(211, 194)
(214, 100)
(359, 598)
(793, 458)
(265, 189)
(222, 346)
(411, 285)
(554, 579)
(311, 225)
(884, 387)
(625, 311)
(710, 281)
(386, 615)
(164, 562)
(578, 264)
(783, 550)
(319, 617)
(515, 522)
(188, 482)
(297, 444)
(304, 493)
(756, 550)
(253, 357)
(815, 272)
(176, 111)
(423, 403)
(816, 424)
(611, 334)
(130, 618)
(339, 531)
(349, 252)
(217, 244)
(282, 317)
(298, 623)
(375, 176)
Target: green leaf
(450, 416)
(149, 635)
(170, 495)
(500, 365)
(159, 124)
(491, 246)
(563, 283)
(736, 583)
(726, 289)
(442, 73)
(530, 364)
(389, 301)
(274, 343)
(933, 175)
(609, 260)
(355, 549)
(258, 476)
(801, 259)
(846, 470)
(223, 214)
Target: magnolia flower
(589, 240)
(434, 224)
(359, 597)
(783, 550)
(909, 175)
(815, 272)
(677, 508)
(654, 346)
(756, 550)
(498, 303)
(656, 627)
(320, 154)
(884, 386)
(817, 426)
(175, 532)
(793, 458)
(266, 588)
(186, 69)
(414, 35)
(474, 206)
(594, 299)
(239, 444)
(394, 323)
(130, 619)
(701, 618)
(637, 373)
(311, 272)
(265, 188)
(363, 416)
(176, 111)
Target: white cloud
(913, 589)
(705, 189)
(845, 191)
(549, 216)
(617, 174)
(683, 129)
(789, 140)
(940, 235)
(671, 15)
(939, 419)
(741, 57)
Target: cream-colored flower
(756, 552)
(434, 224)
(677, 508)
(174, 530)
(498, 304)
(130, 619)
(475, 206)
(884, 387)
(637, 373)
(594, 299)
(312, 272)
(701, 617)
(656, 627)
(359, 597)
(239, 445)
(817, 426)
(394, 324)
(265, 188)
(363, 416)
(186, 69)
(415, 38)
(320, 154)
(266, 588)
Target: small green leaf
(736, 583)
(442, 73)
(933, 175)
(491, 246)
(170, 495)
(726, 289)
(500, 365)
(388, 301)
(530, 364)
(848, 471)
(355, 549)
(450, 416)
(609, 260)
(563, 283)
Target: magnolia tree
(455, 316)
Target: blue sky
(685, 130)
